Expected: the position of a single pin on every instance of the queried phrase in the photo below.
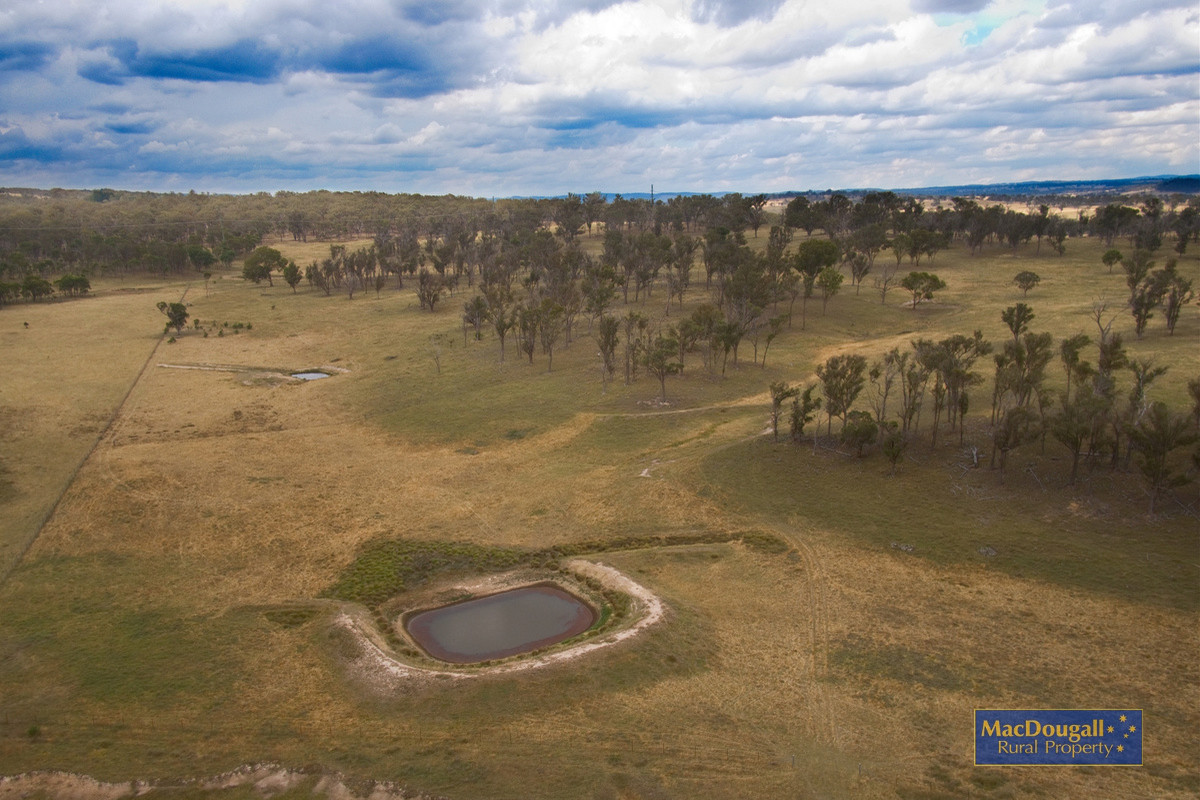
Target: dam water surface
(500, 625)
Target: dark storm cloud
(25, 56)
(950, 6)
(16, 146)
(242, 60)
(729, 13)
(432, 13)
(442, 50)
(131, 127)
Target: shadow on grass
(928, 511)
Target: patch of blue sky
(984, 20)
(979, 33)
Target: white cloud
(517, 96)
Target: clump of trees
(1089, 417)
(176, 313)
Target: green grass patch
(387, 567)
(1095, 542)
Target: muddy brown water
(500, 625)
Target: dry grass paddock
(137, 640)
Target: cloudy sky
(504, 97)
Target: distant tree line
(59, 231)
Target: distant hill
(1184, 184)
(1188, 184)
(1162, 184)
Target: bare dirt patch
(263, 780)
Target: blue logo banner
(1072, 736)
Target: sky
(544, 97)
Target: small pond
(311, 375)
(500, 625)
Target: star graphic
(1122, 718)
(1132, 728)
(1120, 748)
(1110, 728)
(1127, 736)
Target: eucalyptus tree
(884, 281)
(660, 359)
(72, 285)
(259, 265)
(1017, 318)
(634, 325)
(1077, 369)
(679, 267)
(835, 214)
(1013, 429)
(799, 214)
(720, 251)
(608, 331)
(569, 216)
(864, 244)
(781, 392)
(957, 355)
(1147, 296)
(475, 315)
(778, 241)
(774, 328)
(842, 378)
(528, 321)
(922, 285)
(429, 289)
(704, 326)
(755, 212)
(291, 275)
(1020, 379)
(812, 256)
(830, 280)
(551, 323)
(860, 431)
(1137, 268)
(1186, 227)
(1040, 224)
(748, 291)
(1177, 293)
(598, 288)
(1145, 373)
(893, 443)
(1111, 258)
(1114, 220)
(593, 209)
(804, 408)
(1155, 437)
(915, 370)
(1026, 280)
(1072, 425)
(176, 314)
(1111, 357)
(883, 375)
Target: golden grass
(68, 365)
(136, 642)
